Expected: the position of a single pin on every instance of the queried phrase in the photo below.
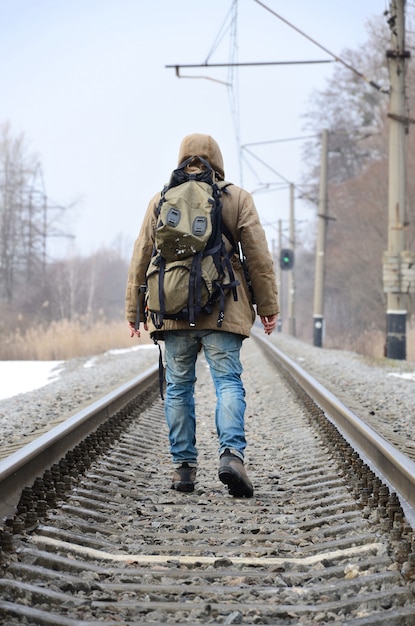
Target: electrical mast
(398, 262)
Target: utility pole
(291, 280)
(275, 256)
(321, 246)
(280, 274)
(398, 268)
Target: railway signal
(286, 259)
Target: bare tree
(352, 110)
(90, 288)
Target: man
(221, 345)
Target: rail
(386, 461)
(22, 467)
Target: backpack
(191, 268)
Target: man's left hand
(269, 322)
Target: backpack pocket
(181, 287)
(185, 220)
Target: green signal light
(286, 259)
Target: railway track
(101, 537)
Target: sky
(86, 83)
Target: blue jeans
(222, 354)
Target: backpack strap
(140, 300)
(195, 281)
(158, 318)
(180, 176)
(161, 368)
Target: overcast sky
(85, 81)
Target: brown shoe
(184, 478)
(232, 473)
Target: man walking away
(219, 333)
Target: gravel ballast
(81, 381)
(381, 392)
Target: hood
(204, 146)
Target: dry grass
(373, 344)
(65, 340)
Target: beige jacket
(240, 216)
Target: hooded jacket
(240, 216)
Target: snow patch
(23, 376)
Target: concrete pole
(275, 257)
(396, 299)
(321, 246)
(280, 274)
(291, 280)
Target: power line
(180, 66)
(265, 164)
(316, 43)
(222, 32)
(269, 141)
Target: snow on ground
(94, 359)
(404, 375)
(23, 376)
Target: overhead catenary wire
(222, 31)
(230, 25)
(268, 141)
(265, 164)
(180, 66)
(233, 83)
(274, 186)
(319, 45)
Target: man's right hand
(134, 330)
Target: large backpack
(191, 268)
